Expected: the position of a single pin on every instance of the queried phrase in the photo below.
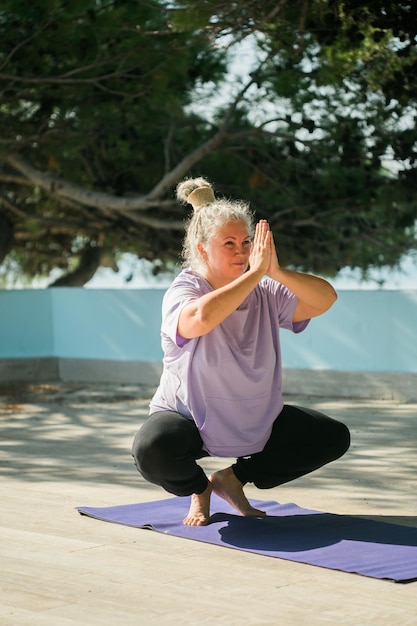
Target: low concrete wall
(365, 346)
(297, 382)
(107, 324)
(49, 369)
(360, 385)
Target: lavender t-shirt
(228, 381)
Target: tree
(91, 94)
(99, 121)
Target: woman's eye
(231, 244)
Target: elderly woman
(220, 392)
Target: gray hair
(208, 217)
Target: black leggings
(168, 444)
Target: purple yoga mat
(340, 542)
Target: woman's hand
(273, 263)
(260, 256)
(260, 251)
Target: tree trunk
(92, 257)
(6, 236)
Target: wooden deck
(64, 446)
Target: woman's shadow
(307, 532)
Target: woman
(220, 391)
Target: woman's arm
(202, 315)
(315, 295)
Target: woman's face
(226, 255)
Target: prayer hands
(263, 255)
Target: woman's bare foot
(227, 486)
(199, 512)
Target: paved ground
(64, 446)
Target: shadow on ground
(67, 432)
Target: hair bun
(196, 191)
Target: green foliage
(107, 96)
(89, 91)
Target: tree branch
(171, 178)
(159, 224)
(60, 188)
(16, 210)
(21, 44)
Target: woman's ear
(201, 250)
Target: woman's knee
(328, 432)
(148, 449)
(341, 439)
(162, 439)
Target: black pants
(168, 444)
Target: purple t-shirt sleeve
(285, 303)
(176, 298)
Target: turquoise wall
(364, 331)
(81, 323)
(110, 324)
(26, 324)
